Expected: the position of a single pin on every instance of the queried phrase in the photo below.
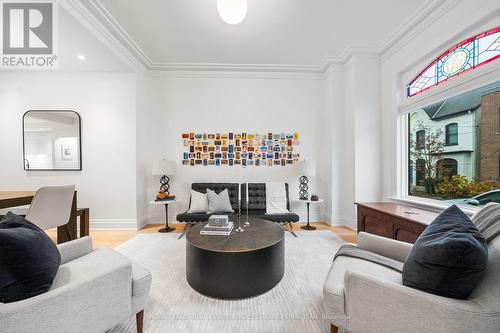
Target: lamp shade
(163, 167)
(307, 168)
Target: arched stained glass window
(469, 54)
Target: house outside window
(454, 147)
(451, 134)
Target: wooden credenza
(393, 220)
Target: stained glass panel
(465, 56)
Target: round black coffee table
(239, 265)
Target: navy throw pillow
(449, 258)
(29, 260)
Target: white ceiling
(275, 32)
(75, 40)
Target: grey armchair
(362, 296)
(94, 290)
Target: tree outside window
(427, 152)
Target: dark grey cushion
(191, 218)
(29, 260)
(449, 258)
(282, 218)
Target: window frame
(464, 83)
(444, 55)
(447, 134)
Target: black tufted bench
(256, 198)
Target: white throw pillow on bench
(199, 203)
(219, 203)
(276, 198)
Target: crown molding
(235, 73)
(87, 14)
(328, 63)
(93, 15)
(428, 13)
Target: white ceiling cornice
(428, 13)
(93, 15)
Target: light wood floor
(113, 238)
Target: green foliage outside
(460, 187)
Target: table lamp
(307, 169)
(164, 168)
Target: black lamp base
(308, 227)
(166, 229)
(164, 185)
(303, 188)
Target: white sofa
(94, 290)
(362, 296)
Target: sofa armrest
(75, 249)
(94, 303)
(409, 310)
(386, 247)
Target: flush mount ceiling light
(232, 11)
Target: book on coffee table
(217, 230)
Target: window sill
(433, 205)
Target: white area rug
(294, 305)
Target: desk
(20, 198)
(15, 198)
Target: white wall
(106, 104)
(228, 103)
(356, 142)
(450, 24)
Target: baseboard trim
(105, 224)
(131, 224)
(343, 222)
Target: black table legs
(167, 227)
(308, 226)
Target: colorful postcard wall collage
(240, 149)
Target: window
(467, 55)
(447, 167)
(451, 165)
(452, 134)
(420, 170)
(498, 122)
(420, 139)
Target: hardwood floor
(113, 238)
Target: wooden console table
(393, 220)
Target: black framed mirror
(52, 140)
